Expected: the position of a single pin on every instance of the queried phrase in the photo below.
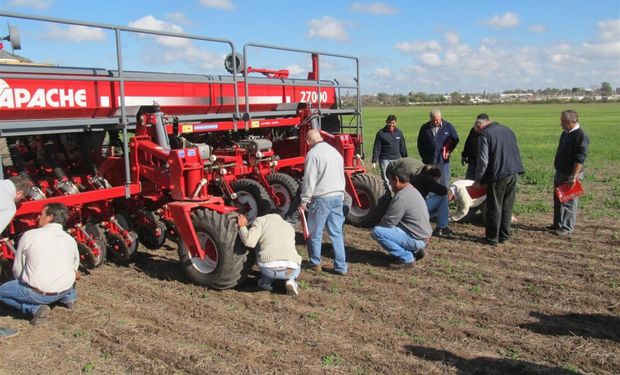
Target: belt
(47, 294)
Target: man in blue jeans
(322, 194)
(45, 267)
(276, 256)
(404, 230)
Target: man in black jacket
(569, 158)
(470, 151)
(498, 165)
(436, 141)
(389, 145)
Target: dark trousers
(500, 199)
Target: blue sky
(439, 47)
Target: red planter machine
(145, 157)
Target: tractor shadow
(482, 365)
(598, 326)
(160, 268)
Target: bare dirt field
(538, 304)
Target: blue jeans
(445, 173)
(383, 164)
(438, 206)
(326, 212)
(397, 242)
(564, 214)
(270, 274)
(27, 301)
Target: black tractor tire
(146, 233)
(252, 198)
(122, 252)
(287, 191)
(98, 234)
(374, 199)
(225, 264)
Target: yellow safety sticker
(187, 129)
(255, 124)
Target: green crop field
(537, 128)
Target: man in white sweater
(276, 256)
(322, 194)
(465, 197)
(45, 267)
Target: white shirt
(46, 259)
(463, 199)
(7, 203)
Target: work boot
(40, 316)
(400, 265)
(443, 232)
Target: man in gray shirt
(322, 194)
(405, 229)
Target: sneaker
(563, 233)
(291, 288)
(443, 232)
(264, 284)
(339, 273)
(40, 316)
(400, 265)
(8, 332)
(419, 254)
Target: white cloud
(151, 23)
(328, 28)
(452, 37)
(296, 70)
(606, 50)
(376, 8)
(36, 4)
(610, 30)
(494, 64)
(418, 46)
(179, 17)
(504, 21)
(537, 28)
(182, 49)
(383, 72)
(432, 59)
(218, 4)
(74, 33)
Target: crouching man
(276, 255)
(405, 229)
(45, 268)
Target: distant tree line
(604, 92)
